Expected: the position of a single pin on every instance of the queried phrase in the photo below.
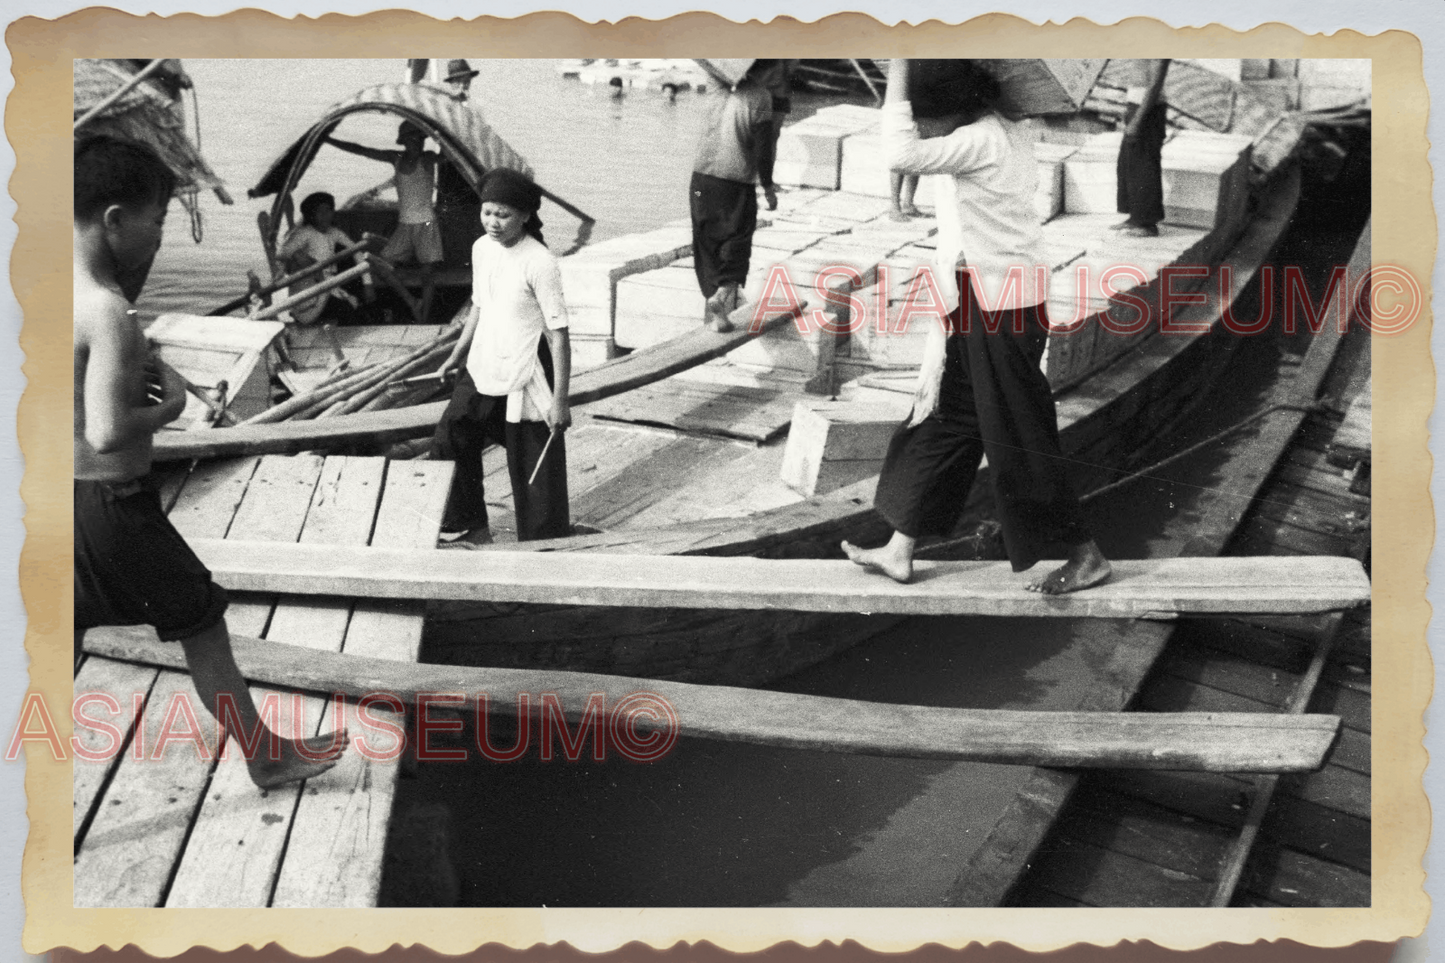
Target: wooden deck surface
(185, 831)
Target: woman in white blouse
(980, 388)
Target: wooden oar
(1212, 742)
(367, 242)
(335, 281)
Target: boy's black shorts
(133, 568)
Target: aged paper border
(1404, 235)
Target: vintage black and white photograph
(699, 482)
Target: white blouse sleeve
(967, 149)
(546, 280)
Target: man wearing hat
(458, 208)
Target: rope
(1211, 440)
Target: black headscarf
(505, 186)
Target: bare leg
(905, 196)
(1085, 567)
(213, 670)
(894, 559)
(723, 302)
(896, 181)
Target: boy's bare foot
(1086, 567)
(300, 759)
(894, 564)
(898, 215)
(910, 211)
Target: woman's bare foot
(897, 214)
(910, 211)
(887, 559)
(300, 759)
(1139, 230)
(1086, 567)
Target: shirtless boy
(131, 566)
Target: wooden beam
(1147, 588)
(1214, 742)
(381, 427)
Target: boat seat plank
(237, 843)
(649, 480)
(1096, 876)
(1139, 588)
(751, 414)
(1223, 742)
(129, 852)
(339, 830)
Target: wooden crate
(1036, 87)
(207, 350)
(835, 443)
(1090, 177)
(810, 152)
(864, 172)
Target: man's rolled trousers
(472, 420)
(724, 217)
(993, 400)
(1140, 192)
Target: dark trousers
(470, 422)
(724, 216)
(995, 401)
(1140, 176)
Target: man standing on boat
(735, 151)
(459, 209)
(980, 388)
(1139, 168)
(417, 236)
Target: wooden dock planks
(239, 846)
(1138, 588)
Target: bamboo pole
(124, 89)
(300, 402)
(367, 241)
(388, 369)
(335, 281)
(363, 398)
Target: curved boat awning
(465, 139)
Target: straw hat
(459, 70)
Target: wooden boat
(1116, 393)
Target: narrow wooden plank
(236, 846)
(729, 410)
(1138, 587)
(379, 427)
(333, 857)
(646, 482)
(1097, 876)
(1234, 743)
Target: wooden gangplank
(400, 424)
(185, 831)
(1144, 588)
(1213, 742)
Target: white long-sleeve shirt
(985, 200)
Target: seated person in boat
(131, 566)
(1140, 191)
(314, 240)
(736, 149)
(980, 388)
(516, 363)
(418, 237)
